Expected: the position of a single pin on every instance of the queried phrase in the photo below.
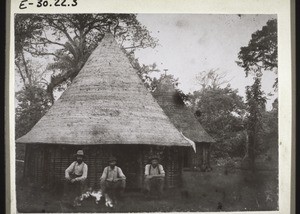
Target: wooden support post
(208, 155)
(204, 156)
(26, 163)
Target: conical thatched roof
(183, 119)
(107, 103)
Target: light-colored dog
(95, 194)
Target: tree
(33, 103)
(211, 78)
(27, 27)
(69, 39)
(261, 54)
(269, 145)
(256, 106)
(221, 112)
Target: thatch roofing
(107, 103)
(184, 120)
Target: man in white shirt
(113, 180)
(154, 176)
(76, 175)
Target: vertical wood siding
(46, 164)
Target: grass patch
(237, 190)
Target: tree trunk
(248, 161)
(251, 150)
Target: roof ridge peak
(107, 101)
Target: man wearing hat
(113, 179)
(76, 175)
(154, 176)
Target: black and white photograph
(146, 112)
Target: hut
(185, 121)
(106, 111)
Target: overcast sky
(193, 43)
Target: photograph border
(285, 75)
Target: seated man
(75, 175)
(113, 180)
(154, 176)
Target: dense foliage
(261, 54)
(221, 112)
(33, 103)
(255, 101)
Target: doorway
(130, 161)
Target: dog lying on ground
(97, 194)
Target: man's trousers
(115, 187)
(154, 183)
(73, 190)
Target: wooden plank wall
(200, 158)
(45, 164)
